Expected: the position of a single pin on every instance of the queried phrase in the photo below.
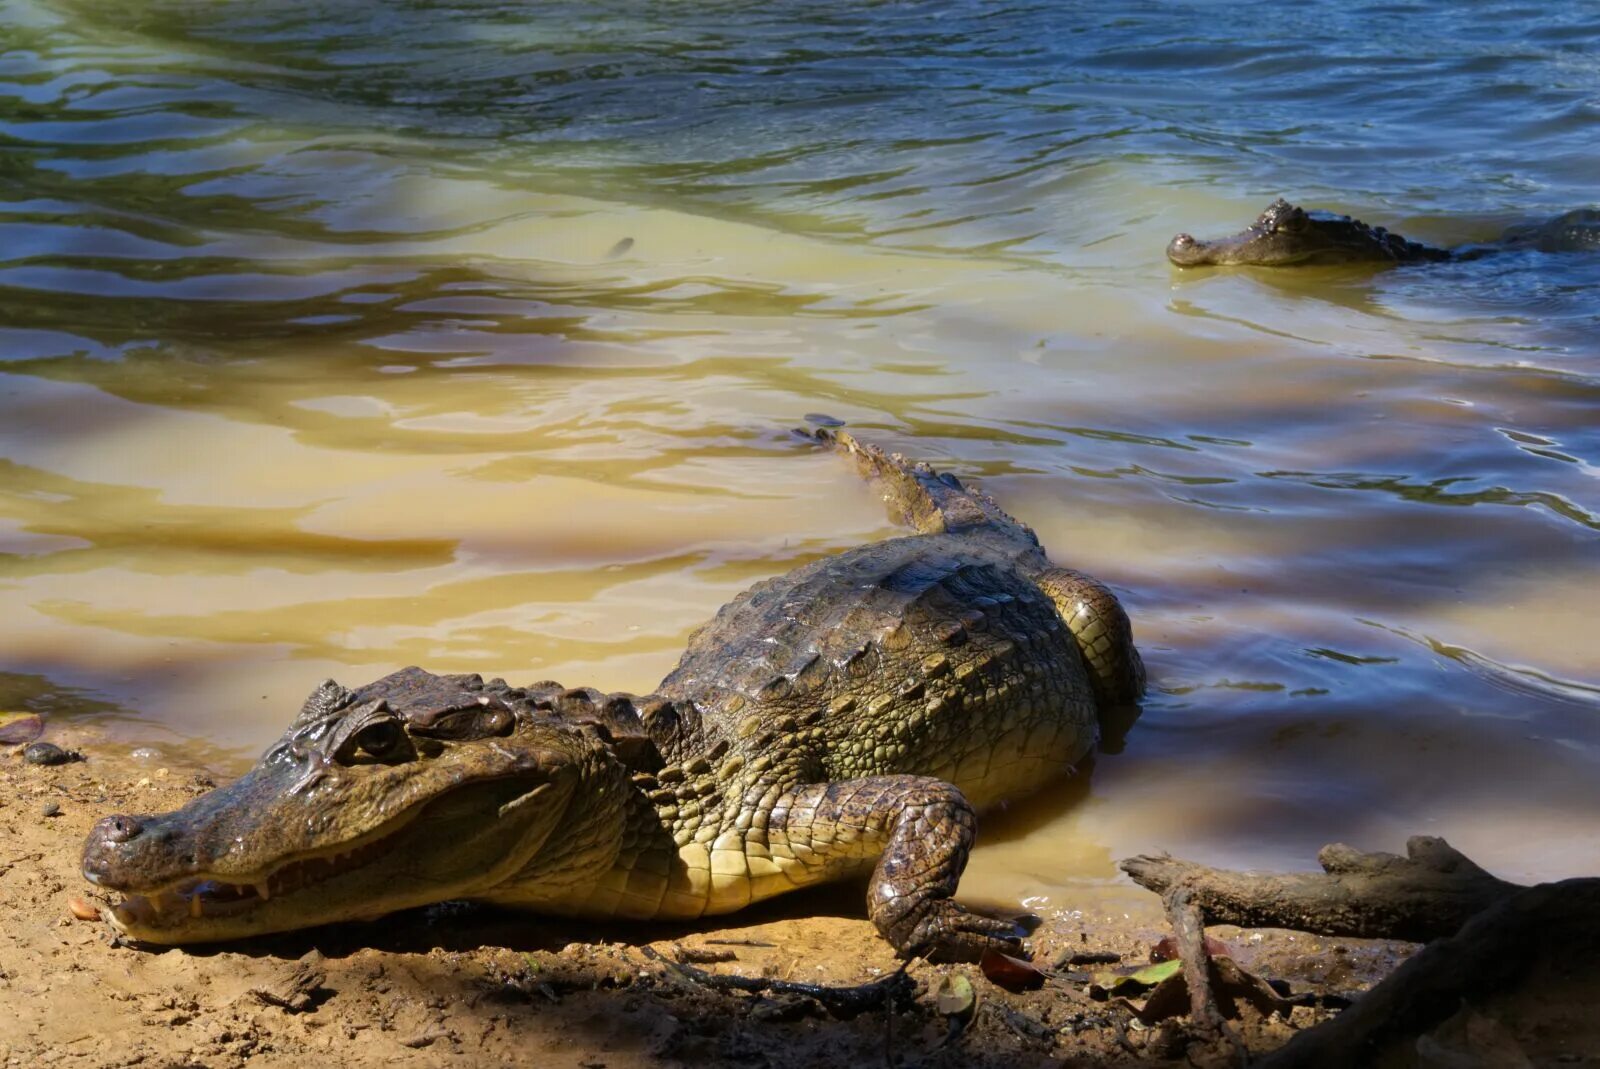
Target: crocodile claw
(950, 933)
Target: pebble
(46, 753)
(82, 909)
(49, 809)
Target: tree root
(1489, 934)
(1490, 954)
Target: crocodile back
(929, 655)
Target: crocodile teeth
(194, 905)
(263, 890)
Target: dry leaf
(1013, 974)
(1167, 949)
(17, 728)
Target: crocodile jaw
(453, 844)
(207, 908)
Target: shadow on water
(111, 524)
(1518, 309)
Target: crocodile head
(364, 806)
(1285, 234)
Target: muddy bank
(432, 986)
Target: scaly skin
(848, 717)
(1286, 235)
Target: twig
(1188, 928)
(848, 1000)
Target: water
(343, 336)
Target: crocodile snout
(1185, 251)
(115, 840)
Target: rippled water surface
(343, 336)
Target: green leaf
(954, 996)
(1151, 975)
(1121, 983)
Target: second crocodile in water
(1286, 235)
(847, 718)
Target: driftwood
(1429, 893)
(1489, 934)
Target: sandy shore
(433, 986)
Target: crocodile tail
(928, 501)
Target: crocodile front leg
(920, 830)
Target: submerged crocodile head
(1285, 234)
(412, 790)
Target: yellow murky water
(323, 393)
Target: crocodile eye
(1295, 220)
(382, 739)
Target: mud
(433, 986)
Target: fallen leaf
(17, 728)
(1230, 986)
(1235, 982)
(1151, 975)
(953, 997)
(1013, 974)
(1167, 949)
(1111, 981)
(1170, 998)
(82, 909)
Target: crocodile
(1286, 234)
(847, 719)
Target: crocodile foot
(948, 932)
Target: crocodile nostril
(1183, 239)
(119, 829)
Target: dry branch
(1427, 894)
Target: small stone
(146, 753)
(47, 753)
(49, 809)
(702, 955)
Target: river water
(340, 336)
